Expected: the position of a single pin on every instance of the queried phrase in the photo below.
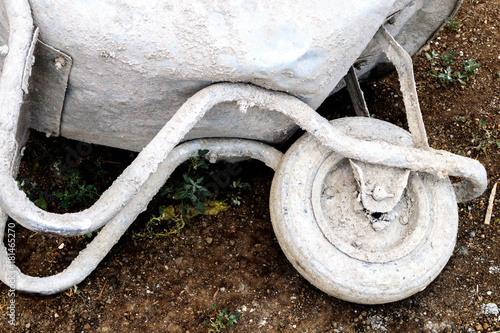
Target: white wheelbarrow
(363, 209)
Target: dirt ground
(232, 259)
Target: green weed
(470, 67)
(186, 195)
(453, 24)
(442, 67)
(191, 190)
(34, 193)
(77, 191)
(74, 291)
(235, 192)
(169, 219)
(484, 143)
(459, 119)
(221, 319)
(89, 235)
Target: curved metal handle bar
(131, 181)
(91, 256)
(440, 163)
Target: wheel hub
(359, 233)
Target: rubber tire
(331, 270)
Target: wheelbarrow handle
(91, 256)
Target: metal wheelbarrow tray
(363, 209)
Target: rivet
(60, 62)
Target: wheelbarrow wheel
(343, 249)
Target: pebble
(490, 309)
(209, 240)
(86, 327)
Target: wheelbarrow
(363, 209)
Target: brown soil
(233, 259)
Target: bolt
(4, 50)
(60, 62)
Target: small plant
(447, 59)
(482, 144)
(433, 58)
(170, 219)
(446, 75)
(192, 192)
(89, 235)
(221, 319)
(453, 24)
(461, 77)
(470, 67)
(442, 67)
(35, 194)
(73, 291)
(77, 191)
(198, 163)
(235, 189)
(187, 196)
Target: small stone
(232, 242)
(209, 240)
(86, 327)
(28, 325)
(56, 315)
(490, 309)
(179, 260)
(173, 328)
(479, 327)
